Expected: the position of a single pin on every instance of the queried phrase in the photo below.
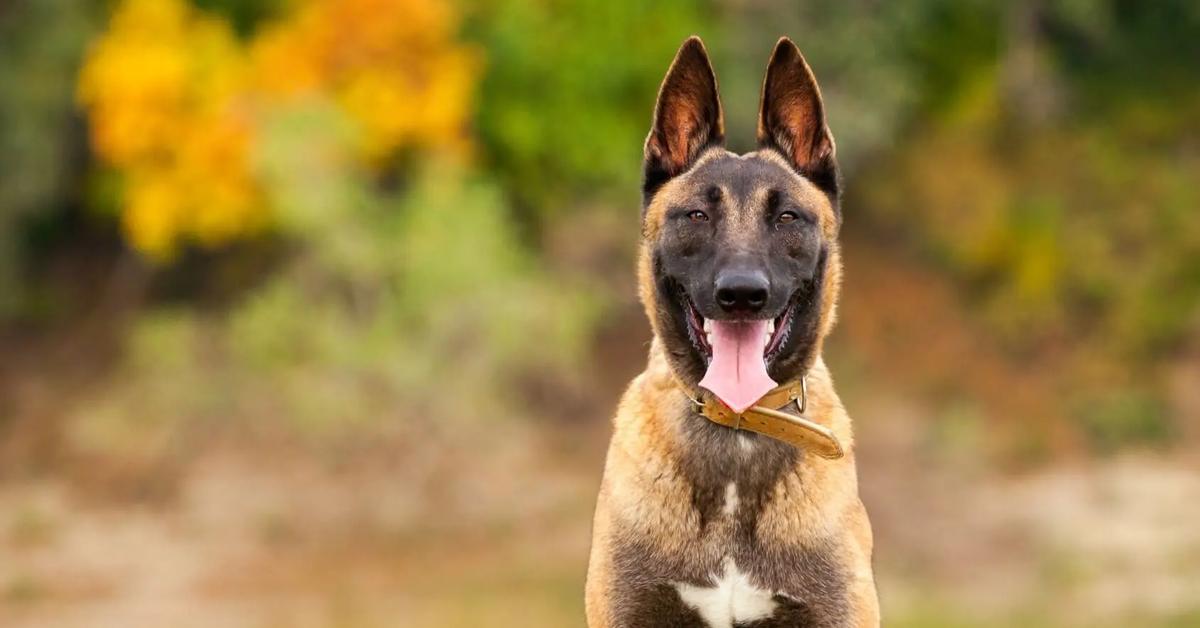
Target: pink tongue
(737, 374)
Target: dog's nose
(743, 292)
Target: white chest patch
(731, 499)
(732, 598)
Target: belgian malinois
(729, 495)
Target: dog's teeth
(708, 326)
(708, 337)
(770, 327)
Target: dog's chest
(730, 595)
(721, 574)
(730, 598)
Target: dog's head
(739, 265)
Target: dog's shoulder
(642, 479)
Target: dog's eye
(697, 216)
(789, 217)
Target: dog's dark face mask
(738, 247)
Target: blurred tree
(565, 103)
(245, 15)
(40, 44)
(176, 101)
(856, 50)
(1048, 168)
(163, 89)
(393, 285)
(1041, 154)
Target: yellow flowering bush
(176, 101)
(392, 65)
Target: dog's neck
(675, 402)
(708, 456)
(671, 445)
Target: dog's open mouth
(700, 329)
(737, 352)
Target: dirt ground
(283, 541)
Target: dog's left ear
(791, 117)
(687, 117)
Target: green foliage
(395, 305)
(40, 44)
(856, 48)
(565, 104)
(1122, 418)
(1126, 55)
(149, 420)
(972, 30)
(1065, 207)
(1041, 155)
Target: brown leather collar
(767, 417)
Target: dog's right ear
(687, 118)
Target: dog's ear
(687, 117)
(791, 117)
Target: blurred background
(315, 312)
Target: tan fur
(646, 500)
(642, 492)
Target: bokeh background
(314, 312)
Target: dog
(730, 495)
